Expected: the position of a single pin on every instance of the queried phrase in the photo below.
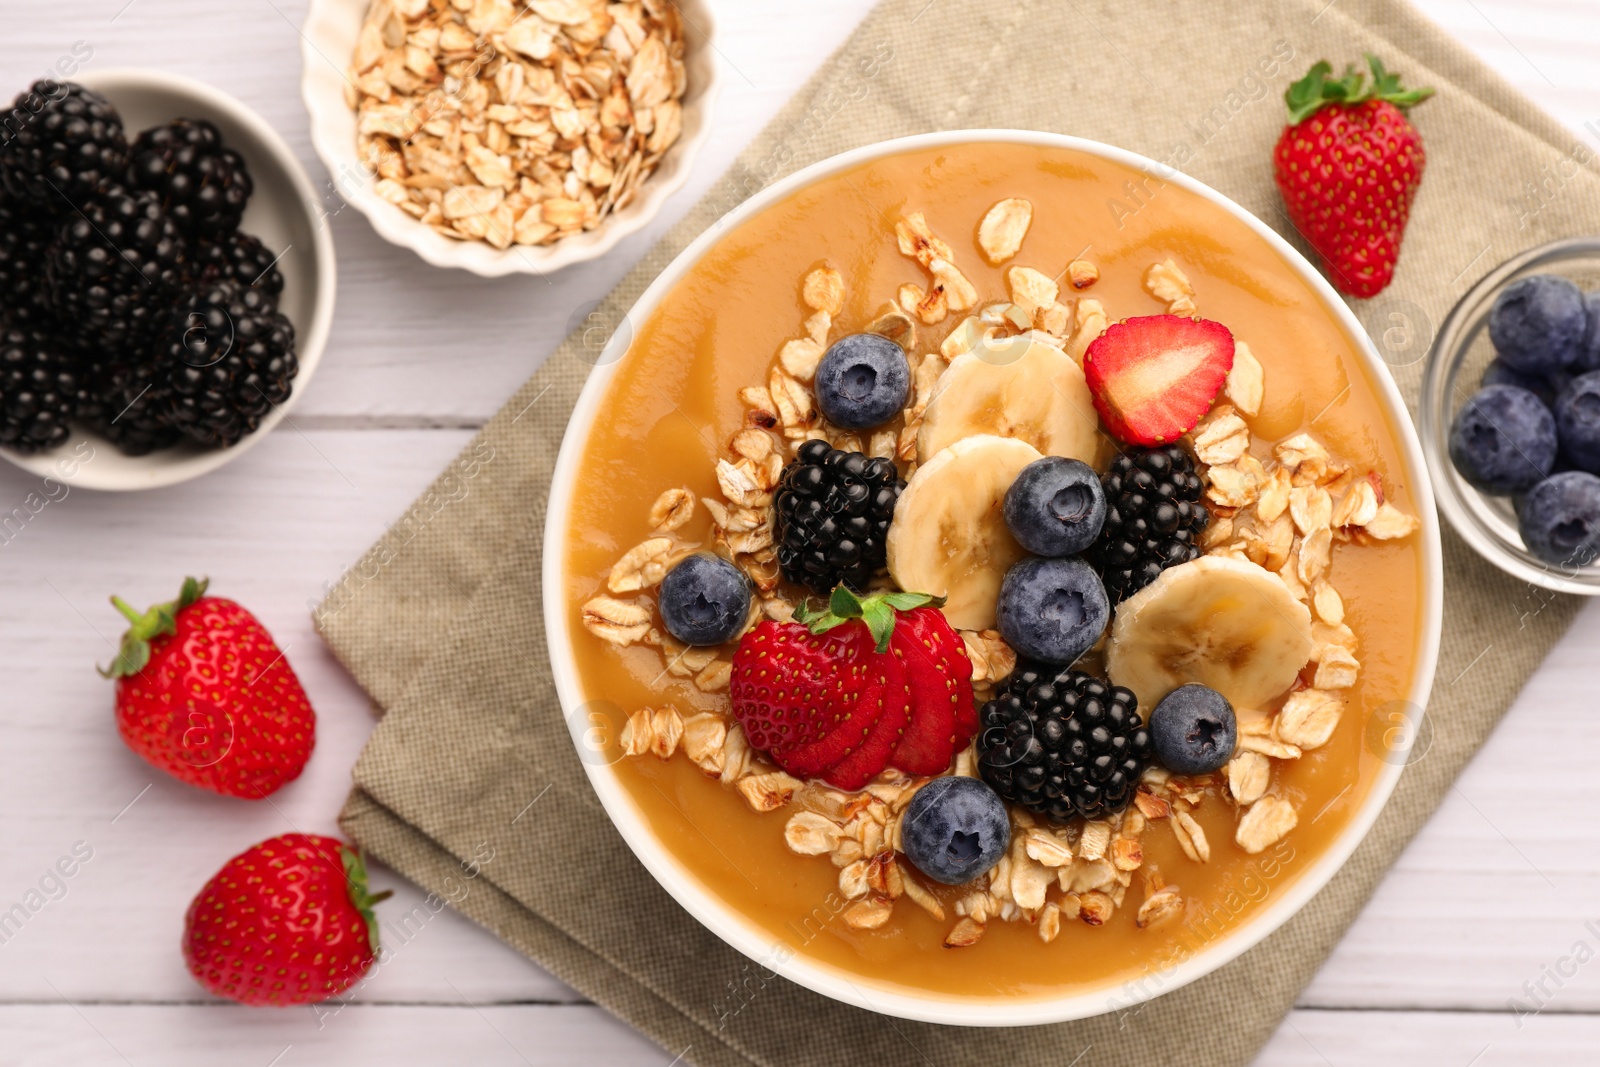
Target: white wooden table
(1492, 903)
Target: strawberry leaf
(355, 873)
(159, 620)
(877, 610)
(1317, 90)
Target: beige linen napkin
(441, 622)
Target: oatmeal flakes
(1126, 855)
(1031, 290)
(1222, 440)
(853, 880)
(1249, 774)
(800, 357)
(959, 293)
(1246, 382)
(735, 755)
(966, 932)
(1049, 922)
(1085, 875)
(1265, 824)
(867, 914)
(1150, 805)
(846, 852)
(1046, 848)
(667, 730)
(1305, 457)
(715, 677)
(684, 660)
(1219, 531)
(703, 738)
(881, 445)
(1082, 274)
(919, 895)
(1325, 637)
(1093, 839)
(1358, 506)
(1266, 746)
(1167, 283)
(1311, 508)
(671, 510)
(1309, 717)
(809, 834)
(768, 792)
(751, 444)
(1029, 881)
(1325, 601)
(1095, 908)
(1053, 321)
(1003, 227)
(1316, 554)
(1165, 903)
(1191, 837)
(964, 338)
(1091, 323)
(897, 327)
(1390, 523)
(824, 290)
(641, 567)
(1235, 485)
(1274, 498)
(1337, 669)
(616, 621)
(1289, 574)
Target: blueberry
(1543, 386)
(1052, 610)
(1577, 410)
(1538, 323)
(862, 381)
(954, 829)
(1056, 506)
(1503, 439)
(1589, 351)
(1193, 730)
(1560, 519)
(705, 600)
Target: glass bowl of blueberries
(1510, 416)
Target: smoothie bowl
(984, 605)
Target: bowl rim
(744, 935)
(1434, 418)
(331, 119)
(311, 336)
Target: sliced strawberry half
(939, 675)
(882, 685)
(797, 697)
(1154, 377)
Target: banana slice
(948, 536)
(1013, 387)
(1225, 623)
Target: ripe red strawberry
(944, 716)
(799, 695)
(204, 694)
(1153, 377)
(845, 692)
(288, 921)
(1348, 166)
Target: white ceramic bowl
(281, 213)
(328, 40)
(852, 989)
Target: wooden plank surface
(1490, 905)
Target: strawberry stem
(876, 610)
(355, 872)
(1317, 90)
(159, 620)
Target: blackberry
(1154, 518)
(128, 400)
(60, 146)
(240, 257)
(38, 389)
(115, 269)
(202, 183)
(831, 516)
(25, 231)
(228, 357)
(1062, 743)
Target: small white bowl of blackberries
(1511, 416)
(146, 331)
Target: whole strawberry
(204, 694)
(288, 921)
(1348, 166)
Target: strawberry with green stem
(206, 695)
(1348, 165)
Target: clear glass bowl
(1455, 364)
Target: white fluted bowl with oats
(515, 137)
